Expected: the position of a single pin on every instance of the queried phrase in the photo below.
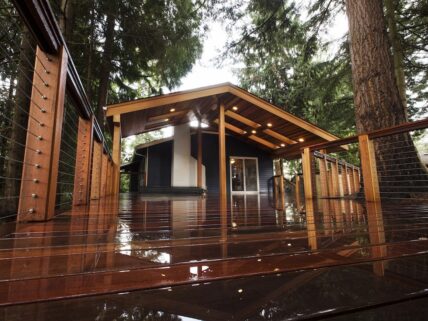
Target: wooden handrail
(393, 130)
(399, 129)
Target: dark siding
(234, 147)
(160, 164)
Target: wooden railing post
(116, 153)
(345, 179)
(81, 192)
(368, 166)
(222, 157)
(335, 178)
(307, 172)
(96, 170)
(104, 160)
(40, 169)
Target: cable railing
(47, 128)
(386, 164)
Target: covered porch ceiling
(248, 117)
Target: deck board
(149, 246)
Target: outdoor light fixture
(235, 108)
(301, 140)
(232, 161)
(269, 124)
(254, 132)
(172, 110)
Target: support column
(199, 169)
(368, 166)
(96, 171)
(116, 153)
(81, 192)
(307, 172)
(40, 165)
(222, 157)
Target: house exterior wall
(234, 148)
(160, 162)
(159, 165)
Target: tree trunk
(66, 18)
(377, 99)
(106, 65)
(20, 119)
(397, 51)
(90, 52)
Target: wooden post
(104, 161)
(377, 236)
(352, 181)
(222, 157)
(345, 179)
(40, 166)
(325, 193)
(368, 166)
(81, 190)
(199, 169)
(307, 172)
(96, 171)
(310, 224)
(109, 177)
(335, 178)
(116, 153)
(297, 191)
(323, 177)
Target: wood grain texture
(40, 170)
(81, 192)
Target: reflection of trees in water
(131, 313)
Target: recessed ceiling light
(172, 110)
(244, 132)
(301, 140)
(240, 291)
(166, 119)
(235, 108)
(269, 124)
(282, 145)
(254, 131)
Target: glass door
(244, 176)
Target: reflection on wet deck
(160, 258)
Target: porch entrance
(244, 175)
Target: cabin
(221, 133)
(74, 248)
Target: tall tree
(377, 98)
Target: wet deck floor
(179, 258)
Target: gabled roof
(247, 116)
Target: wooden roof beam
(278, 136)
(168, 115)
(232, 128)
(263, 141)
(242, 119)
(161, 100)
(255, 125)
(259, 102)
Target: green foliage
(282, 63)
(155, 43)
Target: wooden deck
(179, 256)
